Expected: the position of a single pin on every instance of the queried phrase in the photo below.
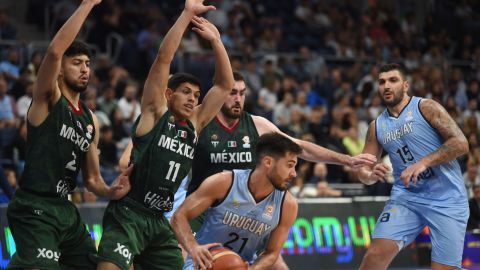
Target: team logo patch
(246, 142)
(182, 134)
(235, 202)
(232, 144)
(171, 122)
(214, 139)
(269, 211)
(89, 132)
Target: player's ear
(168, 93)
(267, 161)
(406, 85)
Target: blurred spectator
(19, 87)
(474, 204)
(301, 104)
(10, 67)
(121, 131)
(375, 107)
(298, 125)
(91, 102)
(471, 177)
(267, 98)
(108, 154)
(7, 29)
(128, 104)
(107, 101)
(282, 112)
(23, 103)
(320, 178)
(7, 106)
(34, 65)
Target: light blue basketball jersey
(407, 139)
(239, 222)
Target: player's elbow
(53, 52)
(464, 147)
(226, 85)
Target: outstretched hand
(205, 28)
(121, 186)
(197, 7)
(361, 160)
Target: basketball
(226, 259)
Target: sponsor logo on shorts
(122, 250)
(48, 254)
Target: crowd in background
(311, 67)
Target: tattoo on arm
(455, 143)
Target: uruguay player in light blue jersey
(246, 210)
(423, 142)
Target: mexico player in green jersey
(164, 141)
(62, 140)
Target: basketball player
(228, 142)
(248, 211)
(164, 141)
(423, 142)
(62, 139)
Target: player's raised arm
(316, 153)
(46, 91)
(278, 236)
(223, 80)
(213, 189)
(154, 103)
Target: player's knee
(376, 253)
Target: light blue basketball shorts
(403, 221)
(178, 198)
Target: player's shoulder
(290, 202)
(219, 180)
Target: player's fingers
(128, 171)
(403, 177)
(368, 158)
(212, 245)
(414, 178)
(211, 8)
(380, 168)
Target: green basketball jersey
(56, 150)
(220, 148)
(161, 158)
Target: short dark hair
(78, 48)
(394, 66)
(276, 145)
(178, 78)
(237, 76)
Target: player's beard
(397, 98)
(228, 112)
(274, 178)
(77, 87)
